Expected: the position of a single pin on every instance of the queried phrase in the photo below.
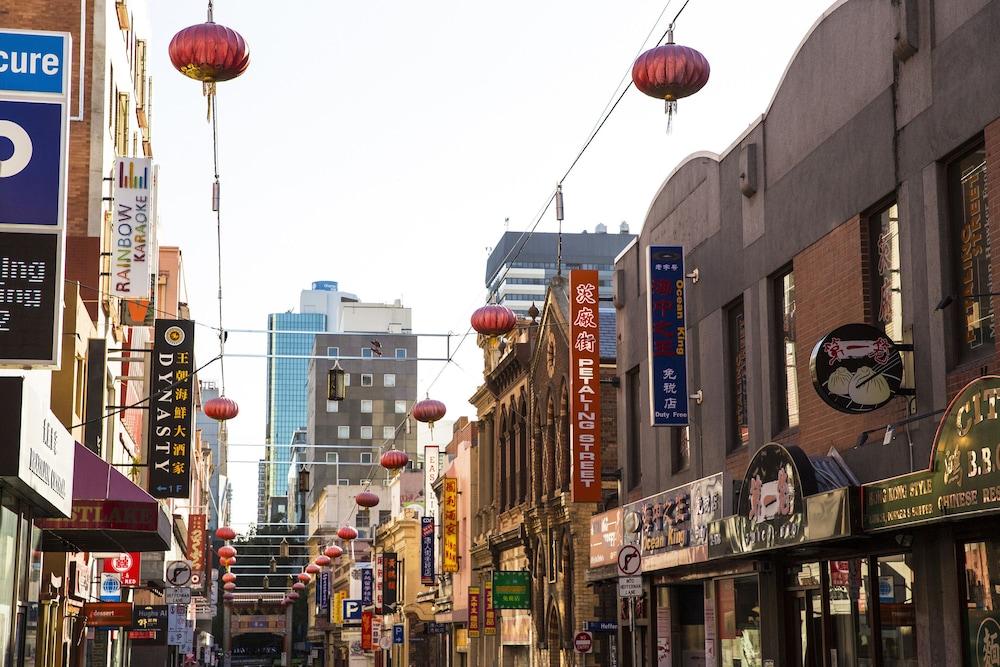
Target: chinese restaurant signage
(585, 396)
(449, 525)
(367, 582)
(390, 580)
(337, 608)
(378, 582)
(323, 594)
(673, 521)
(856, 368)
(150, 617)
(474, 597)
(489, 610)
(605, 537)
(511, 589)
(196, 550)
(963, 477)
(127, 565)
(107, 614)
(366, 631)
(668, 395)
(171, 409)
(427, 550)
(132, 240)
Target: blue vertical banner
(323, 594)
(427, 550)
(367, 587)
(665, 290)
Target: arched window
(522, 450)
(551, 461)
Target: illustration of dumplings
(840, 382)
(869, 389)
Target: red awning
(110, 513)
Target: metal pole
(632, 628)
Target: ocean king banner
(171, 409)
(585, 398)
(668, 394)
(132, 242)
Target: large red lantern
(225, 533)
(209, 52)
(227, 551)
(429, 411)
(391, 460)
(670, 72)
(312, 568)
(366, 498)
(347, 533)
(333, 551)
(323, 561)
(493, 320)
(228, 577)
(221, 408)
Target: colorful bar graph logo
(130, 179)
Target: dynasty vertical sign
(171, 409)
(585, 399)
(668, 396)
(449, 525)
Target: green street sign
(512, 590)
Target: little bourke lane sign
(964, 473)
(171, 409)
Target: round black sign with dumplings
(856, 368)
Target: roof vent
(601, 228)
(623, 228)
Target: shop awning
(110, 513)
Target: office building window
(366, 457)
(736, 368)
(362, 519)
(970, 239)
(343, 432)
(401, 353)
(388, 432)
(333, 352)
(366, 406)
(680, 439)
(384, 516)
(366, 432)
(367, 352)
(884, 271)
(344, 482)
(633, 427)
(366, 379)
(333, 406)
(400, 407)
(787, 404)
(389, 380)
(347, 379)
(332, 457)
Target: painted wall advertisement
(585, 396)
(171, 409)
(132, 237)
(427, 550)
(668, 392)
(474, 612)
(449, 525)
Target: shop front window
(738, 614)
(8, 556)
(897, 613)
(680, 625)
(981, 564)
(850, 630)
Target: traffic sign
(629, 560)
(385, 641)
(177, 595)
(630, 587)
(178, 573)
(583, 642)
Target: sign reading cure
(33, 62)
(585, 379)
(667, 336)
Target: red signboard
(489, 611)
(142, 634)
(585, 398)
(107, 614)
(127, 565)
(366, 631)
(474, 596)
(196, 547)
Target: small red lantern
(298, 586)
(429, 411)
(312, 568)
(304, 578)
(209, 52)
(225, 533)
(227, 551)
(670, 72)
(221, 408)
(294, 595)
(391, 460)
(347, 533)
(228, 577)
(229, 586)
(323, 561)
(366, 498)
(333, 551)
(493, 320)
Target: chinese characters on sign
(511, 589)
(474, 595)
(585, 400)
(170, 409)
(196, 549)
(432, 468)
(489, 611)
(449, 525)
(127, 565)
(668, 393)
(367, 581)
(389, 580)
(366, 631)
(427, 550)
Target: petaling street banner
(668, 394)
(171, 412)
(449, 525)
(474, 596)
(427, 550)
(585, 397)
(196, 550)
(132, 243)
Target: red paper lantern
(229, 586)
(391, 460)
(493, 320)
(298, 586)
(323, 561)
(333, 551)
(347, 533)
(366, 498)
(304, 578)
(225, 533)
(209, 52)
(312, 568)
(227, 551)
(428, 411)
(670, 72)
(294, 595)
(221, 408)
(228, 577)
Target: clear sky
(382, 144)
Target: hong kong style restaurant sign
(964, 473)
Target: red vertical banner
(449, 525)
(366, 631)
(585, 397)
(489, 612)
(474, 597)
(196, 549)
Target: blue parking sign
(30, 162)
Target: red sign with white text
(366, 631)
(127, 565)
(585, 397)
(196, 549)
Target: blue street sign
(30, 162)
(397, 634)
(352, 611)
(32, 62)
(600, 626)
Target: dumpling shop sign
(856, 368)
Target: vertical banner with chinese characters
(170, 409)
(378, 581)
(449, 525)
(131, 242)
(585, 398)
(338, 607)
(432, 468)
(196, 551)
(323, 594)
(366, 631)
(427, 550)
(668, 395)
(367, 584)
(474, 596)
(389, 580)
(489, 611)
